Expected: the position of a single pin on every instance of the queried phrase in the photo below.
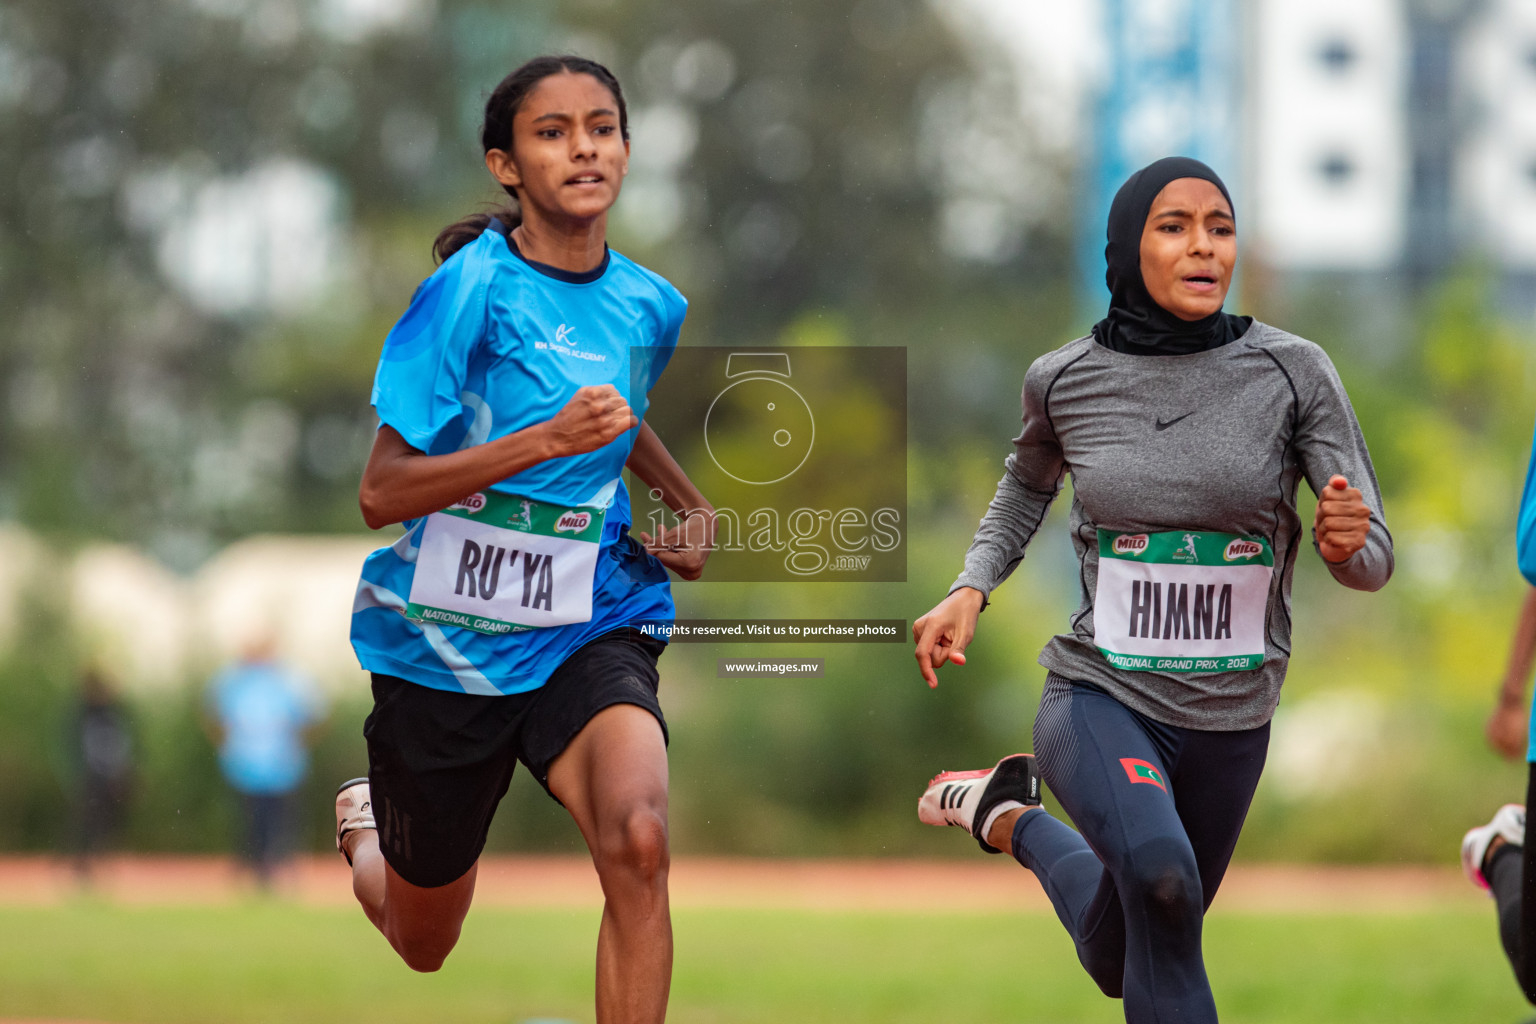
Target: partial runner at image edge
(1494, 856)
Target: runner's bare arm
(1507, 726)
(401, 482)
(685, 547)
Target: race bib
(498, 563)
(1182, 601)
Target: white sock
(997, 812)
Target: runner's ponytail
(466, 229)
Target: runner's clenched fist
(594, 416)
(1342, 520)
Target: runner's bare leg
(422, 924)
(613, 780)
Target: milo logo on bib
(1240, 549)
(1130, 543)
(472, 504)
(500, 563)
(573, 522)
(1182, 601)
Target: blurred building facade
(1329, 133)
(1496, 155)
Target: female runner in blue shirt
(499, 627)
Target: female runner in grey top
(1215, 440)
(1187, 432)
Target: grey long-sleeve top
(1212, 441)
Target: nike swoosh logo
(1164, 425)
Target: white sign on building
(1496, 172)
(1330, 163)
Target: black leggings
(1512, 876)
(1160, 809)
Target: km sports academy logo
(564, 344)
(1139, 771)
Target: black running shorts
(439, 762)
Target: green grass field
(280, 962)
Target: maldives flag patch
(1138, 770)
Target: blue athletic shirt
(493, 343)
(1525, 552)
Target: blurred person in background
(1494, 856)
(501, 626)
(101, 739)
(262, 715)
(1188, 432)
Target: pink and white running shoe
(968, 799)
(1508, 822)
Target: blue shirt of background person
(263, 709)
(491, 344)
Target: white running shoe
(354, 810)
(966, 799)
(1508, 822)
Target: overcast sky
(1056, 46)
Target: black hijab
(1136, 324)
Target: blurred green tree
(212, 211)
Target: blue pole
(1172, 88)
